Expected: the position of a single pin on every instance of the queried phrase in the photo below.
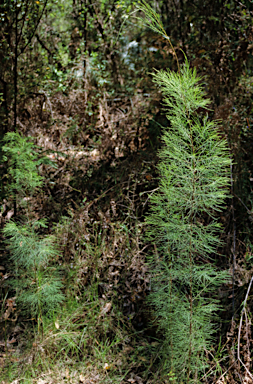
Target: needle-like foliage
(23, 162)
(37, 283)
(194, 179)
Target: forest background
(81, 123)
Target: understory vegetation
(126, 248)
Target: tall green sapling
(35, 278)
(194, 179)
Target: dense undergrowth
(97, 131)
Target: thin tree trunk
(15, 91)
(15, 70)
(84, 4)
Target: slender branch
(5, 105)
(247, 209)
(23, 19)
(47, 49)
(33, 33)
(154, 22)
(15, 69)
(85, 13)
(15, 94)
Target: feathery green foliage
(194, 170)
(194, 176)
(153, 20)
(23, 162)
(38, 284)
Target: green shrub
(194, 171)
(23, 161)
(37, 283)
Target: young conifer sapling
(194, 179)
